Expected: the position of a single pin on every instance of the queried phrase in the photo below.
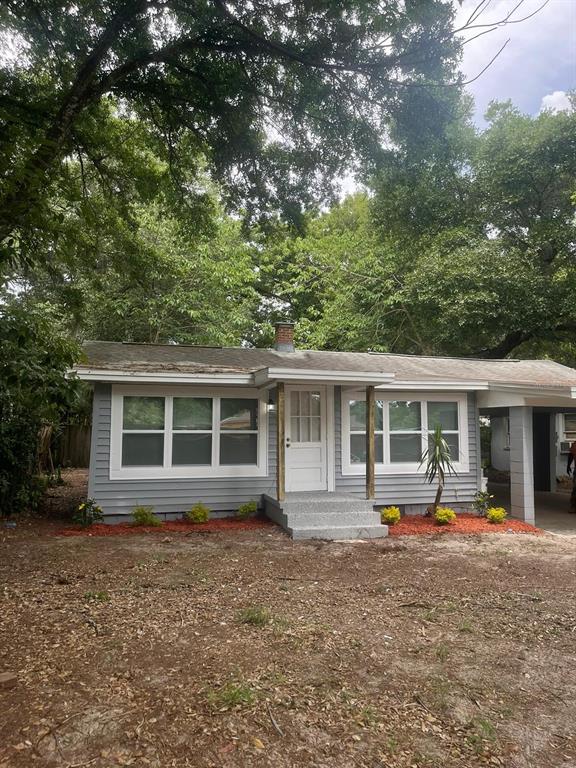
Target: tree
(466, 250)
(438, 464)
(278, 97)
(152, 282)
(34, 358)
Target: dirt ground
(249, 649)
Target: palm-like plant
(438, 464)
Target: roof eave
(162, 377)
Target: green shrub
(481, 502)
(198, 514)
(496, 515)
(256, 615)
(88, 513)
(444, 515)
(390, 515)
(250, 508)
(145, 516)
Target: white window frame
(408, 468)
(118, 472)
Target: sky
(537, 66)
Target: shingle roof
(119, 356)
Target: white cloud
(539, 57)
(557, 101)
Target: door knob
(287, 442)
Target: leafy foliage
(481, 502)
(277, 101)
(444, 515)
(466, 248)
(34, 358)
(496, 515)
(390, 515)
(438, 463)
(88, 513)
(145, 516)
(247, 509)
(199, 513)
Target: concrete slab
(552, 509)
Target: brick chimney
(284, 341)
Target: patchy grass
(254, 615)
(231, 695)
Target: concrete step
(340, 532)
(329, 518)
(326, 516)
(328, 505)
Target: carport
(532, 494)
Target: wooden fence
(72, 447)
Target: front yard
(245, 648)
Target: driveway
(552, 513)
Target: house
(564, 434)
(173, 425)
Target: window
(570, 426)
(143, 432)
(405, 419)
(176, 435)
(238, 431)
(402, 430)
(358, 431)
(192, 431)
(305, 417)
(445, 415)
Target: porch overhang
(268, 377)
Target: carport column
(280, 441)
(521, 464)
(553, 452)
(370, 416)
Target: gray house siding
(168, 496)
(172, 496)
(410, 492)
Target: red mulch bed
(414, 525)
(172, 526)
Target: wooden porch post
(370, 451)
(280, 442)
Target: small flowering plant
(444, 516)
(390, 515)
(88, 512)
(496, 515)
(482, 502)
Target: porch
(306, 504)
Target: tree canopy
(467, 249)
(276, 97)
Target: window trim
(386, 467)
(118, 472)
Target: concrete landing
(552, 509)
(333, 516)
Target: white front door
(306, 439)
